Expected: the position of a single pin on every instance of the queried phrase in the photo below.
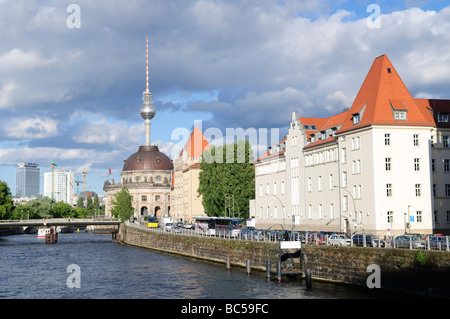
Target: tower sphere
(147, 110)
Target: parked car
(339, 240)
(439, 242)
(407, 240)
(371, 240)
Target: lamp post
(282, 207)
(354, 206)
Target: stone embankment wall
(424, 272)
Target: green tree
(6, 203)
(121, 204)
(24, 211)
(89, 203)
(227, 178)
(62, 209)
(43, 206)
(80, 202)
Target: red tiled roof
(268, 155)
(381, 91)
(195, 145)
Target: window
(345, 203)
(434, 190)
(319, 181)
(260, 190)
(275, 190)
(447, 190)
(389, 190)
(275, 212)
(331, 211)
(344, 179)
(390, 217)
(387, 139)
(443, 117)
(433, 165)
(416, 139)
(400, 115)
(448, 216)
(344, 155)
(417, 164)
(267, 188)
(309, 184)
(419, 216)
(330, 182)
(417, 190)
(144, 198)
(282, 188)
(446, 165)
(356, 118)
(309, 211)
(445, 141)
(387, 162)
(320, 211)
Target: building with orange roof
(185, 201)
(382, 166)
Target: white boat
(43, 231)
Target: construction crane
(84, 179)
(78, 184)
(53, 178)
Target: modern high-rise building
(27, 180)
(59, 185)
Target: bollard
(228, 263)
(268, 266)
(279, 270)
(248, 266)
(308, 279)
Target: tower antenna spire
(146, 90)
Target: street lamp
(354, 206)
(282, 207)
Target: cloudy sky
(71, 81)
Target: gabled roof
(382, 92)
(195, 145)
(323, 124)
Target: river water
(31, 269)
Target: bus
(152, 222)
(218, 226)
(205, 225)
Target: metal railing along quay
(406, 241)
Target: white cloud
(30, 128)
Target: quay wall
(417, 271)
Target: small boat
(43, 231)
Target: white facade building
(381, 167)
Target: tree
(121, 204)
(62, 209)
(227, 177)
(43, 207)
(80, 202)
(24, 211)
(6, 203)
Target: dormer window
(356, 118)
(400, 115)
(324, 135)
(442, 117)
(399, 110)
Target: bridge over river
(49, 222)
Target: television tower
(147, 110)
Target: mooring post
(228, 263)
(268, 268)
(248, 266)
(308, 279)
(279, 270)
